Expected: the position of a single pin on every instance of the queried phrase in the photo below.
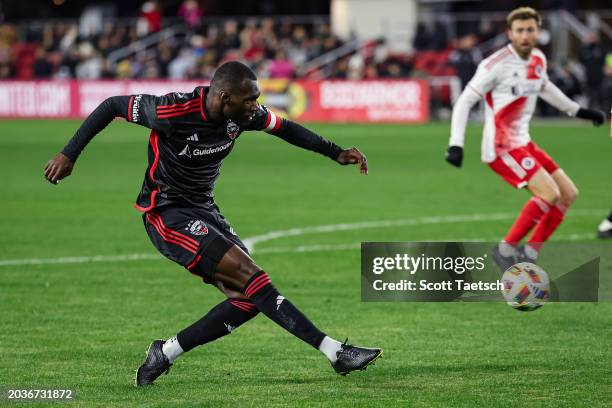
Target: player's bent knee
(248, 268)
(570, 197)
(554, 194)
(551, 196)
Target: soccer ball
(526, 286)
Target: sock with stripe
(547, 226)
(218, 322)
(270, 302)
(530, 215)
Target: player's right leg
(238, 270)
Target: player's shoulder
(496, 59)
(536, 52)
(182, 97)
(179, 104)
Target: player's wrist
(72, 156)
(335, 152)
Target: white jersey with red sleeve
(510, 87)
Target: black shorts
(195, 238)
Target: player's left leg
(545, 194)
(549, 223)
(567, 195)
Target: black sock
(218, 322)
(610, 217)
(260, 290)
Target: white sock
(531, 251)
(172, 349)
(605, 225)
(329, 347)
(506, 249)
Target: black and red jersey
(186, 148)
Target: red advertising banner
(401, 101)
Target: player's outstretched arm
(555, 97)
(459, 119)
(62, 164)
(298, 135)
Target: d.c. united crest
(232, 129)
(197, 227)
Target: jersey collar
(203, 110)
(516, 53)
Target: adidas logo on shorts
(193, 138)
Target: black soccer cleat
(154, 366)
(503, 262)
(352, 358)
(604, 234)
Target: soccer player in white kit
(510, 81)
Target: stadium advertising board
(401, 101)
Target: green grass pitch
(86, 326)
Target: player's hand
(597, 116)
(58, 168)
(353, 156)
(454, 155)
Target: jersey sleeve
(293, 133)
(162, 112)
(555, 97)
(266, 120)
(460, 115)
(484, 79)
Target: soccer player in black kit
(191, 134)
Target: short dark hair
(523, 13)
(232, 73)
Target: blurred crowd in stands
(84, 50)
(275, 48)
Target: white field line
(252, 241)
(357, 245)
(80, 259)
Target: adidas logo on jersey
(193, 138)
